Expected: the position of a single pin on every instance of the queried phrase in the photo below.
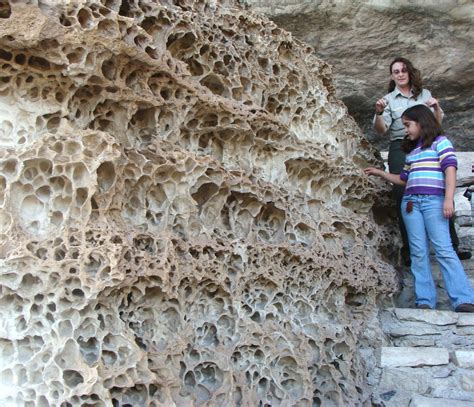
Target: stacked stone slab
(464, 214)
(430, 361)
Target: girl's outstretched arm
(393, 178)
(450, 186)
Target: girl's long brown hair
(429, 126)
(414, 76)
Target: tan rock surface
(184, 220)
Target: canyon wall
(360, 39)
(183, 215)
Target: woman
(405, 90)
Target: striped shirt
(424, 168)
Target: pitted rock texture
(184, 220)
(360, 39)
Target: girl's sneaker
(465, 308)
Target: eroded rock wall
(183, 215)
(360, 39)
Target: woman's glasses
(396, 71)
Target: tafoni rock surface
(183, 216)
(359, 39)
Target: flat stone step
(391, 356)
(433, 317)
(408, 327)
(468, 265)
(422, 401)
(465, 320)
(464, 358)
(463, 218)
(398, 385)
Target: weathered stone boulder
(183, 216)
(360, 39)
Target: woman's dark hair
(429, 126)
(414, 76)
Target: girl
(429, 177)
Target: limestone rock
(184, 220)
(428, 316)
(413, 356)
(464, 358)
(466, 320)
(422, 328)
(421, 401)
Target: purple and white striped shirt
(424, 168)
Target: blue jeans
(426, 221)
